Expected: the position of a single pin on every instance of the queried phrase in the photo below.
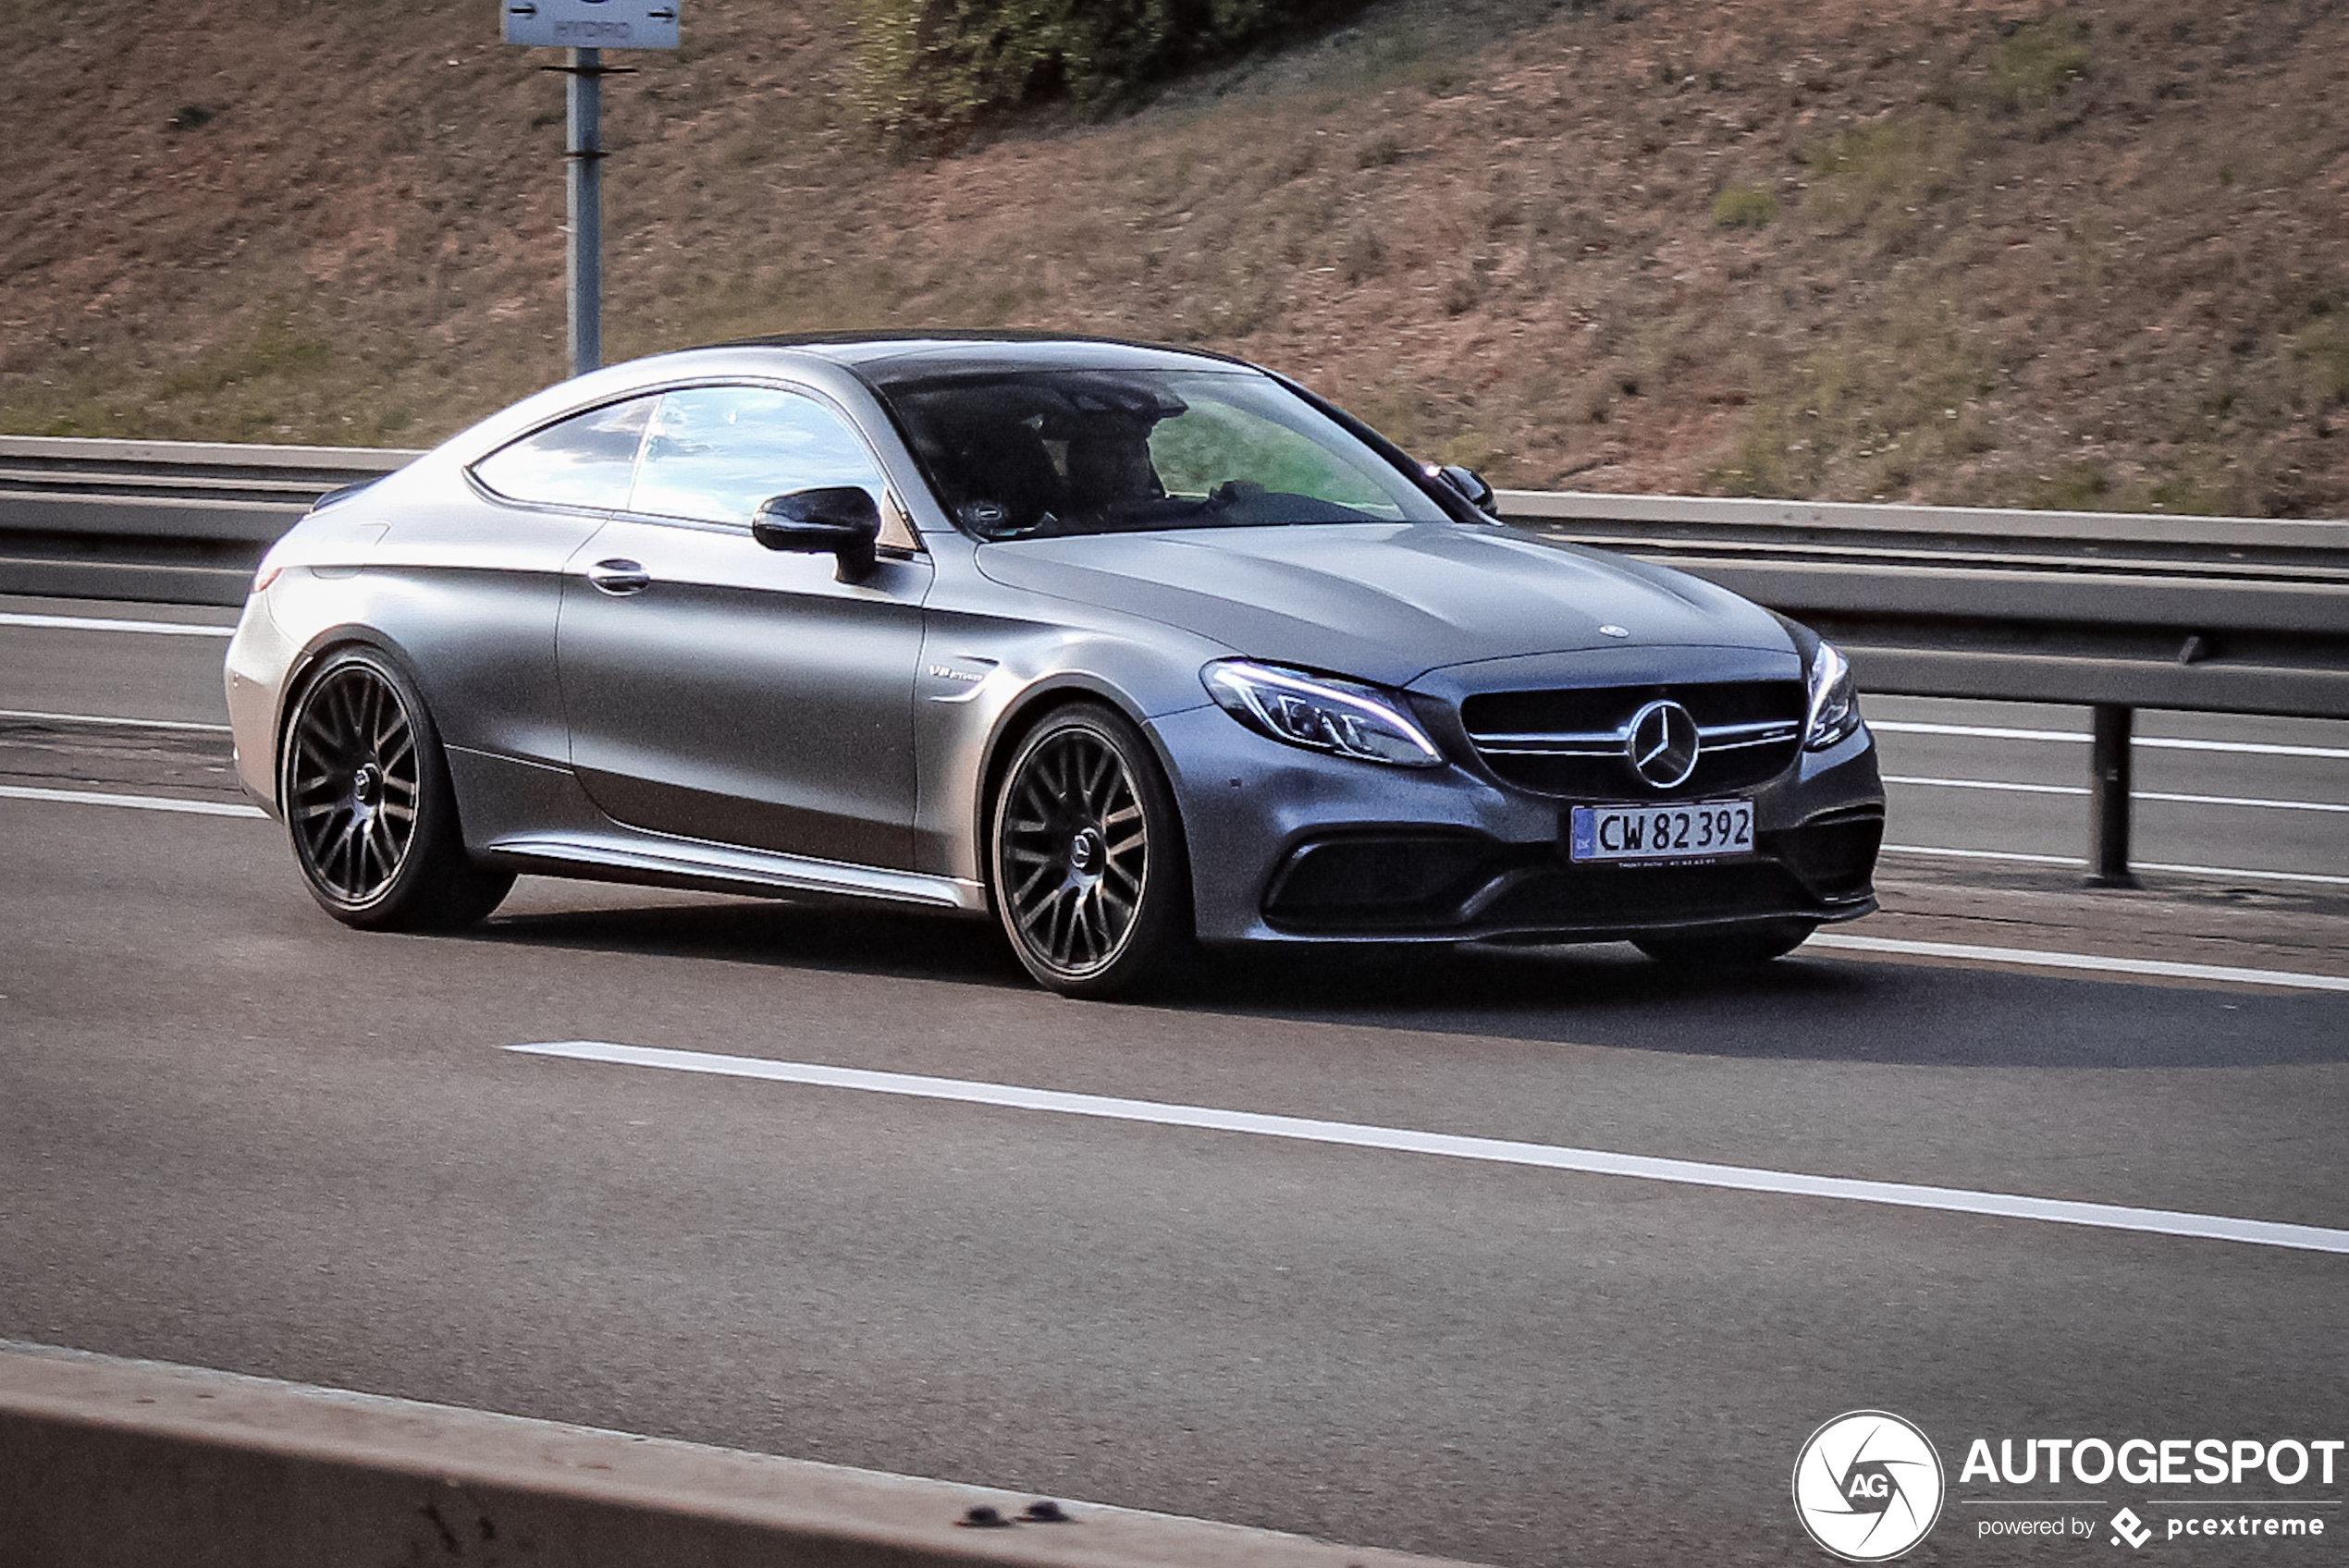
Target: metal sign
(593, 24)
(587, 28)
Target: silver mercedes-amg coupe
(1135, 649)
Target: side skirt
(685, 863)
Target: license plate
(1692, 830)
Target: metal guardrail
(2219, 615)
(2113, 612)
(164, 521)
(2108, 611)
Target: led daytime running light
(1321, 715)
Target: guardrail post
(2109, 796)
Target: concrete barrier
(113, 1464)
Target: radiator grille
(1570, 742)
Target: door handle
(619, 578)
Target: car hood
(1385, 602)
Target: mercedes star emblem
(1662, 743)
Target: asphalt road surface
(234, 1134)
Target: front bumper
(259, 656)
(1288, 845)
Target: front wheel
(1087, 857)
(1726, 947)
(365, 790)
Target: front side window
(586, 460)
(717, 452)
(1023, 453)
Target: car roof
(885, 359)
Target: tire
(1090, 876)
(1727, 946)
(364, 788)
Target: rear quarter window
(586, 460)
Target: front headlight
(1320, 714)
(1835, 706)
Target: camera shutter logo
(1868, 1486)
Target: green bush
(1744, 206)
(2036, 62)
(2322, 353)
(926, 66)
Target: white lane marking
(2138, 794)
(96, 623)
(106, 718)
(2237, 801)
(2250, 748)
(2156, 743)
(1990, 784)
(2228, 873)
(1554, 1157)
(2094, 962)
(1972, 731)
(1986, 854)
(139, 802)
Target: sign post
(584, 187)
(587, 28)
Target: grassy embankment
(2086, 257)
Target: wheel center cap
(1086, 852)
(367, 784)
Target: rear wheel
(1087, 857)
(1727, 946)
(365, 791)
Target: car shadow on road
(847, 939)
(1811, 1006)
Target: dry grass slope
(2087, 255)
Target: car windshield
(1038, 453)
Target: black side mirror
(1469, 482)
(841, 519)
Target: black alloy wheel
(1756, 942)
(1088, 870)
(365, 793)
